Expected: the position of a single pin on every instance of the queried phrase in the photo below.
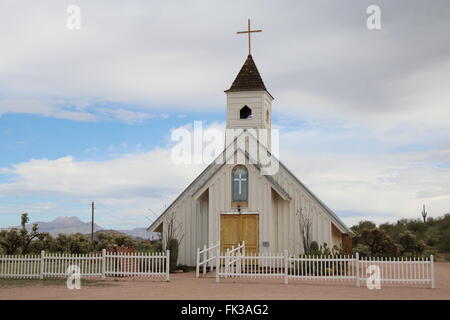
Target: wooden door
(235, 228)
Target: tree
(146, 246)
(79, 243)
(44, 241)
(74, 243)
(109, 240)
(10, 241)
(14, 240)
(27, 237)
(363, 225)
(410, 244)
(172, 236)
(305, 227)
(377, 242)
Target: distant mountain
(70, 225)
(65, 225)
(141, 233)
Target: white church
(235, 201)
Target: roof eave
(250, 90)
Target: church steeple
(249, 104)
(248, 78)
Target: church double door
(235, 228)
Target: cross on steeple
(249, 32)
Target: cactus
(173, 247)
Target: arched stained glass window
(240, 184)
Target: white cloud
(385, 185)
(124, 188)
(318, 59)
(385, 90)
(379, 186)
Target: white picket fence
(90, 265)
(205, 258)
(208, 256)
(137, 264)
(336, 267)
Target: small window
(245, 113)
(267, 116)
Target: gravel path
(186, 286)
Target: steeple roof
(248, 79)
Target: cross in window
(240, 180)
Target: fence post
(211, 264)
(227, 262)
(357, 269)
(41, 271)
(103, 263)
(205, 256)
(238, 263)
(433, 285)
(218, 265)
(286, 270)
(167, 265)
(197, 268)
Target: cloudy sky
(364, 115)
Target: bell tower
(249, 104)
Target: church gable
(282, 183)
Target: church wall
(201, 218)
(288, 229)
(278, 220)
(336, 236)
(259, 201)
(275, 222)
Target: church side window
(240, 185)
(245, 113)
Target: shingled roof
(248, 79)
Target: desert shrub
(147, 246)
(410, 245)
(158, 246)
(183, 267)
(109, 240)
(314, 247)
(378, 242)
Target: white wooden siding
(200, 215)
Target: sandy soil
(186, 286)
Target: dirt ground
(186, 286)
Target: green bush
(314, 247)
(183, 267)
(406, 237)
